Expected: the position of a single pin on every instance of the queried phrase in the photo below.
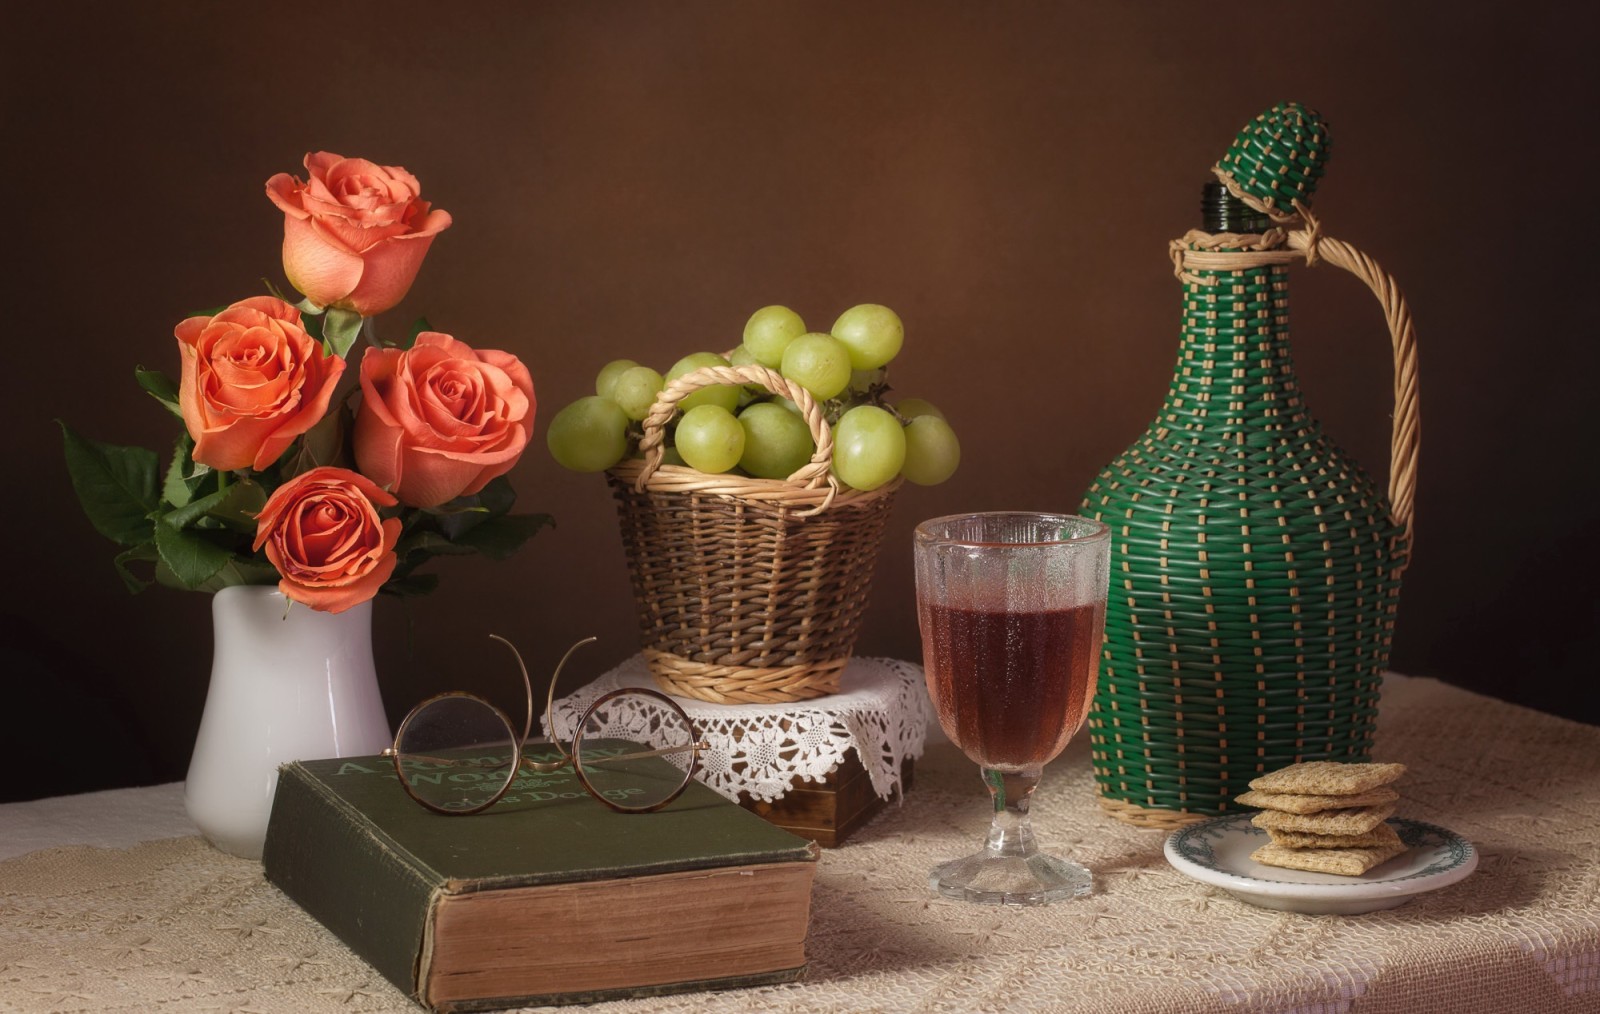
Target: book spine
(332, 863)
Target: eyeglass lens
(456, 753)
(634, 750)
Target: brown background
(635, 179)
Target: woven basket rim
(778, 492)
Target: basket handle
(812, 475)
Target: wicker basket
(748, 590)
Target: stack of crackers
(1326, 817)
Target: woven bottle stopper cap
(1279, 156)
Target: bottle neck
(1234, 376)
(1220, 211)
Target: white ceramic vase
(287, 683)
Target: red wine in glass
(1011, 687)
(1012, 608)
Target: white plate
(1217, 852)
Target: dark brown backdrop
(634, 179)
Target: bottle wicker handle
(1406, 437)
(812, 475)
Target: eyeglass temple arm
(527, 686)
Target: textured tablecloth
(173, 925)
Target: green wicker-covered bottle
(1255, 568)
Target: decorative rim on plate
(1435, 857)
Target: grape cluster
(747, 429)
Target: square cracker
(1383, 834)
(1343, 862)
(1328, 778)
(1357, 820)
(1296, 802)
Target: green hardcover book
(547, 897)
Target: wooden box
(831, 810)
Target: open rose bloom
(355, 232)
(439, 420)
(323, 533)
(253, 380)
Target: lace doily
(758, 750)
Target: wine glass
(1012, 608)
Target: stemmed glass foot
(1010, 880)
(1010, 870)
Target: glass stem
(1010, 834)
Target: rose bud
(355, 234)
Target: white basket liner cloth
(758, 750)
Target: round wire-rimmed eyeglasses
(633, 749)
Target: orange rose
(323, 533)
(355, 235)
(440, 420)
(253, 380)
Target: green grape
(742, 356)
(769, 331)
(869, 447)
(872, 333)
(670, 456)
(788, 404)
(776, 441)
(862, 381)
(635, 391)
(606, 379)
(589, 435)
(724, 395)
(709, 438)
(932, 451)
(911, 408)
(819, 363)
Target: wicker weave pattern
(1254, 573)
(748, 590)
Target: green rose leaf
(241, 570)
(138, 554)
(234, 507)
(191, 557)
(465, 513)
(185, 476)
(429, 543)
(160, 387)
(186, 515)
(340, 329)
(240, 504)
(236, 571)
(116, 486)
(500, 537)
